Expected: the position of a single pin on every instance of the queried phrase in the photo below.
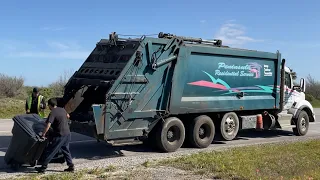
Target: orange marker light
(259, 124)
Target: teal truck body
(172, 89)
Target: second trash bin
(26, 145)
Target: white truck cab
(296, 108)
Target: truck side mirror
(303, 85)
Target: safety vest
(41, 111)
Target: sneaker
(69, 169)
(40, 169)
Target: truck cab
(295, 104)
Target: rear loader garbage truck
(171, 89)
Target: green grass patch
(300, 160)
(96, 173)
(315, 103)
(10, 107)
(56, 176)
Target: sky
(40, 40)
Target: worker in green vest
(36, 104)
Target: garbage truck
(169, 90)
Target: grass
(315, 103)
(10, 107)
(300, 160)
(96, 173)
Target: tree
(58, 86)
(313, 87)
(294, 75)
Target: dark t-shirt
(59, 122)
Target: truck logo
(251, 69)
(255, 68)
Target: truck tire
(229, 126)
(302, 124)
(201, 132)
(170, 135)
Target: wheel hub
(230, 125)
(173, 134)
(201, 131)
(170, 134)
(303, 124)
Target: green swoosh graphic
(218, 81)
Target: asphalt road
(85, 149)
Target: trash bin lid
(32, 124)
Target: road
(85, 149)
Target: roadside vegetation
(299, 160)
(13, 92)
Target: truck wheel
(302, 124)
(229, 126)
(201, 132)
(170, 135)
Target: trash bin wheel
(33, 164)
(15, 166)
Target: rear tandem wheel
(201, 132)
(170, 134)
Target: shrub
(46, 92)
(310, 98)
(58, 86)
(11, 86)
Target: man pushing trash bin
(60, 136)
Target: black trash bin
(26, 145)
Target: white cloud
(58, 45)
(234, 34)
(53, 28)
(51, 55)
(54, 50)
(203, 21)
(13, 45)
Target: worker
(60, 136)
(36, 104)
